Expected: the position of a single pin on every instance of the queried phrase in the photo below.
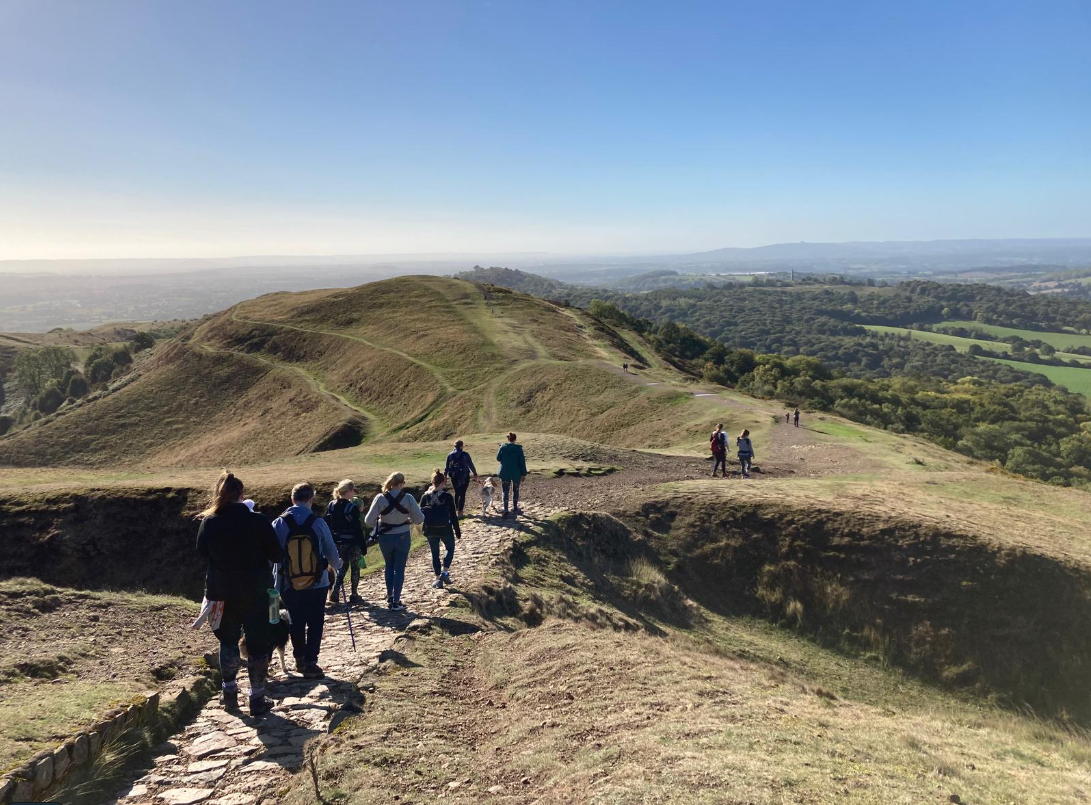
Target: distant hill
(409, 358)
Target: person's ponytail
(228, 490)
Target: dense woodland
(806, 346)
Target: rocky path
(230, 759)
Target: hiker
(795, 416)
(787, 417)
(392, 512)
(308, 549)
(459, 469)
(440, 525)
(513, 471)
(718, 444)
(746, 452)
(343, 519)
(238, 546)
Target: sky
(185, 128)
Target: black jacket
(238, 546)
(454, 527)
(343, 518)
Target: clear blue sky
(220, 127)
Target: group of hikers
(718, 444)
(301, 559)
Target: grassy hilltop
(414, 358)
(872, 618)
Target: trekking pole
(348, 616)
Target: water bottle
(274, 606)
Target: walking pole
(345, 598)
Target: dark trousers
(744, 462)
(308, 611)
(350, 554)
(396, 553)
(514, 486)
(721, 463)
(249, 615)
(448, 541)
(460, 495)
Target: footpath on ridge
(224, 758)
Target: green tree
(142, 341)
(35, 368)
(77, 386)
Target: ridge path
(223, 758)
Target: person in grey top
(392, 513)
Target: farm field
(1061, 341)
(1076, 380)
(963, 344)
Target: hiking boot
(300, 665)
(398, 606)
(230, 699)
(505, 515)
(260, 705)
(438, 583)
(445, 577)
(313, 671)
(355, 599)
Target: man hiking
(308, 550)
(440, 525)
(795, 416)
(513, 471)
(238, 546)
(458, 470)
(718, 444)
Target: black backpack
(303, 563)
(437, 512)
(392, 504)
(459, 472)
(338, 518)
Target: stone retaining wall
(35, 778)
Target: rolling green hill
(405, 359)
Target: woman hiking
(392, 512)
(746, 452)
(513, 471)
(343, 518)
(440, 525)
(238, 547)
(718, 444)
(459, 469)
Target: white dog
(486, 496)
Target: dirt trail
(230, 759)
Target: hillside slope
(409, 359)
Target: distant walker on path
(513, 471)
(459, 470)
(717, 443)
(746, 452)
(795, 416)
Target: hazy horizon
(199, 129)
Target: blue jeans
(744, 462)
(308, 611)
(395, 551)
(514, 485)
(448, 540)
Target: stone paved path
(230, 759)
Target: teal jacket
(513, 464)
